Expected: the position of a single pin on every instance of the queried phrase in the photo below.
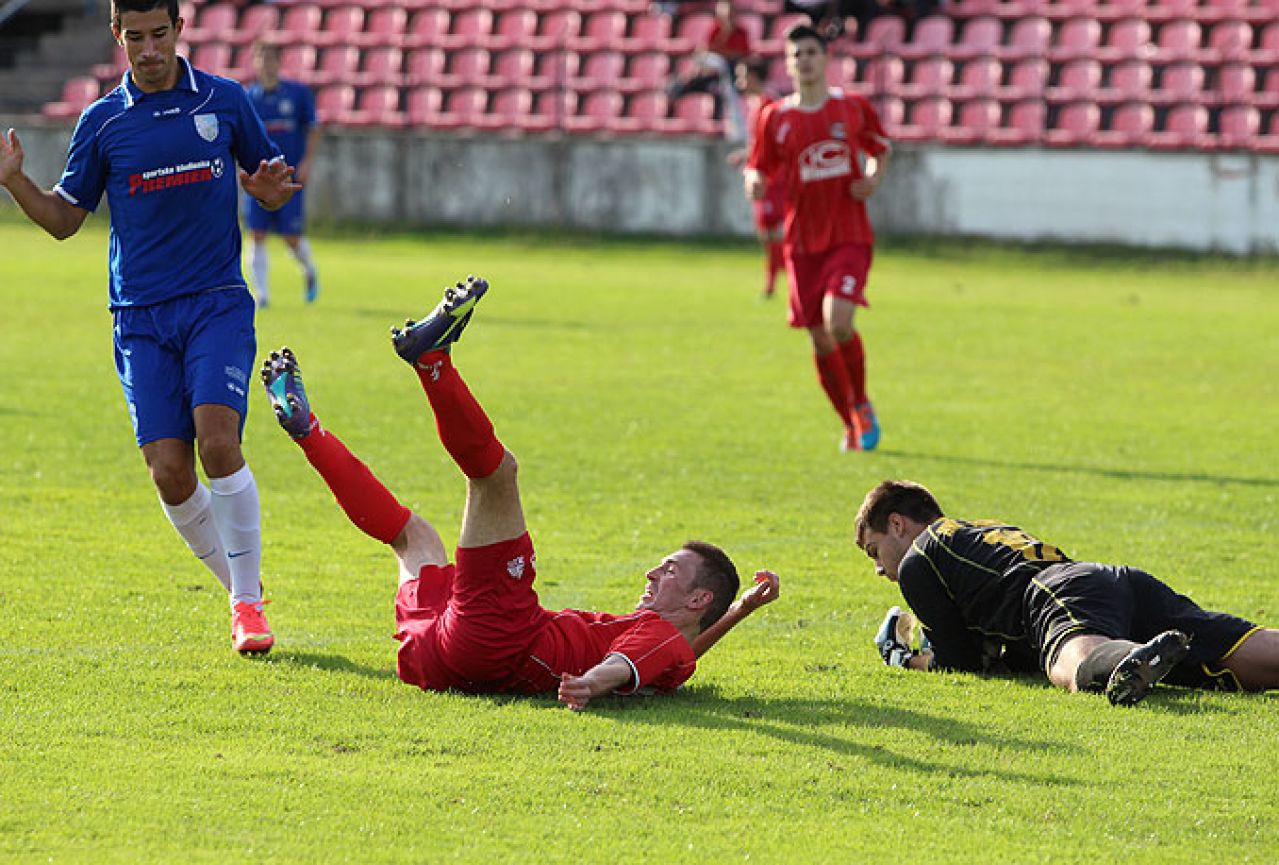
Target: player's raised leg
(840, 322)
(493, 511)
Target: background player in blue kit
(164, 147)
(287, 109)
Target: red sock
(834, 379)
(854, 356)
(465, 430)
(775, 263)
(368, 504)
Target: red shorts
(840, 271)
(470, 626)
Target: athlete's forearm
(45, 207)
(607, 676)
(712, 635)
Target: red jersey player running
(814, 141)
(477, 625)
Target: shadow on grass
(331, 663)
(1094, 471)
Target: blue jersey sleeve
(251, 144)
(84, 177)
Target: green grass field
(1122, 406)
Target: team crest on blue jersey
(216, 167)
(207, 126)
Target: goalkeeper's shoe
(250, 634)
(893, 638)
(283, 380)
(1144, 666)
(439, 330)
(867, 426)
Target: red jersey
(816, 153)
(573, 641)
(732, 44)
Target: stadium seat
(377, 106)
(1180, 82)
(1116, 10)
(428, 28)
(334, 103)
(385, 26)
(1169, 10)
(979, 78)
(841, 71)
(1186, 127)
(516, 28)
(1080, 79)
(212, 57)
(1228, 42)
(933, 37)
(423, 105)
(1029, 37)
(556, 29)
(213, 22)
(1238, 127)
(645, 112)
(648, 33)
(517, 67)
(1178, 42)
(467, 66)
(343, 25)
(884, 36)
(1236, 82)
(511, 109)
(603, 69)
(78, 93)
(1024, 124)
(1220, 10)
(1131, 80)
(599, 111)
(976, 121)
(1079, 38)
(464, 107)
(298, 61)
(692, 31)
(1130, 126)
(885, 75)
(468, 29)
(1077, 125)
(381, 66)
(773, 42)
(600, 31)
(424, 67)
(338, 64)
(1027, 80)
(1128, 39)
(300, 23)
(931, 76)
(980, 37)
(694, 115)
(648, 71)
(552, 108)
(929, 120)
(256, 22)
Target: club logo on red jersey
(173, 176)
(515, 567)
(825, 159)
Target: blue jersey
(167, 163)
(288, 112)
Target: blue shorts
(173, 356)
(289, 220)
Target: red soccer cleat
(250, 634)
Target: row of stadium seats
(1112, 10)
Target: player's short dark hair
(907, 498)
(757, 66)
(118, 7)
(718, 575)
(800, 32)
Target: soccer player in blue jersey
(164, 147)
(287, 109)
(990, 596)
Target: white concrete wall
(1227, 202)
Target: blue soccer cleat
(439, 330)
(284, 388)
(312, 290)
(1145, 666)
(867, 426)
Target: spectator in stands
(164, 147)
(828, 16)
(726, 43)
(287, 109)
(769, 211)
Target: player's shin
(363, 498)
(465, 430)
(1096, 668)
(236, 511)
(194, 522)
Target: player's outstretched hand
(766, 589)
(272, 184)
(10, 157)
(892, 648)
(574, 692)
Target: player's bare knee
(220, 454)
(174, 479)
(841, 332)
(418, 544)
(1256, 662)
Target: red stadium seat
(425, 67)
(465, 107)
(213, 22)
(929, 119)
(1024, 124)
(377, 106)
(1236, 82)
(298, 61)
(929, 77)
(516, 28)
(1179, 41)
(1080, 79)
(301, 23)
(1131, 80)
(342, 26)
(385, 26)
(977, 121)
(556, 30)
(885, 75)
(981, 37)
(1229, 42)
(428, 28)
(648, 33)
(1079, 38)
(1030, 37)
(256, 22)
(516, 67)
(212, 57)
(603, 69)
(511, 108)
(334, 103)
(381, 66)
(469, 28)
(1028, 80)
(645, 112)
(1239, 126)
(1186, 127)
(1128, 39)
(694, 115)
(693, 30)
(1130, 126)
(552, 108)
(1181, 82)
(1077, 124)
(841, 71)
(1168, 10)
(1114, 10)
(468, 66)
(600, 31)
(1220, 10)
(599, 111)
(982, 78)
(648, 71)
(423, 105)
(77, 94)
(933, 36)
(885, 35)
(338, 65)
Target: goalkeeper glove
(894, 651)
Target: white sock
(194, 521)
(235, 510)
(258, 261)
(303, 254)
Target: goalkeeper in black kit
(990, 597)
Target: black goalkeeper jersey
(966, 581)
